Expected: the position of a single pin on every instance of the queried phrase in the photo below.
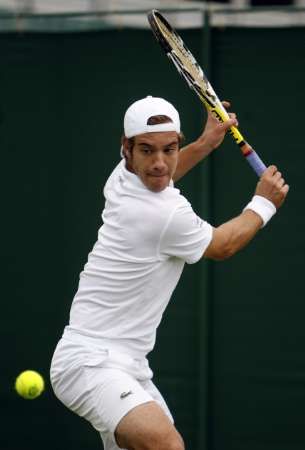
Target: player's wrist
(263, 207)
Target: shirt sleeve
(186, 235)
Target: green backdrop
(229, 356)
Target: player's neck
(129, 167)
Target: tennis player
(100, 368)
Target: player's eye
(146, 150)
(170, 150)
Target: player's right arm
(210, 139)
(235, 234)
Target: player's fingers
(280, 183)
(228, 124)
(233, 116)
(226, 104)
(276, 176)
(271, 170)
(285, 189)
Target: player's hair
(156, 120)
(153, 120)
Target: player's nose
(158, 163)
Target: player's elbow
(227, 253)
(221, 247)
(221, 254)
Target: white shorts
(101, 384)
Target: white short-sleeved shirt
(136, 263)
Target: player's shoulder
(135, 202)
(151, 212)
(172, 198)
(166, 201)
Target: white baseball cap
(137, 115)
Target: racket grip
(256, 163)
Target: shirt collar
(131, 177)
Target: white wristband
(263, 207)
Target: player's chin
(157, 183)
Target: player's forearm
(233, 235)
(190, 156)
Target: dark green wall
(258, 366)
(62, 103)
(61, 107)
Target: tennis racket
(190, 70)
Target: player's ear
(181, 138)
(126, 147)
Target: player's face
(154, 158)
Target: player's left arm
(211, 138)
(232, 236)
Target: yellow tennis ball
(29, 384)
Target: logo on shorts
(125, 394)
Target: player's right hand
(272, 186)
(215, 131)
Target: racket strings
(186, 64)
(181, 52)
(190, 70)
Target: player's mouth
(158, 175)
(157, 182)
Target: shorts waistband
(122, 346)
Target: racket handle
(256, 163)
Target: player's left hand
(214, 131)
